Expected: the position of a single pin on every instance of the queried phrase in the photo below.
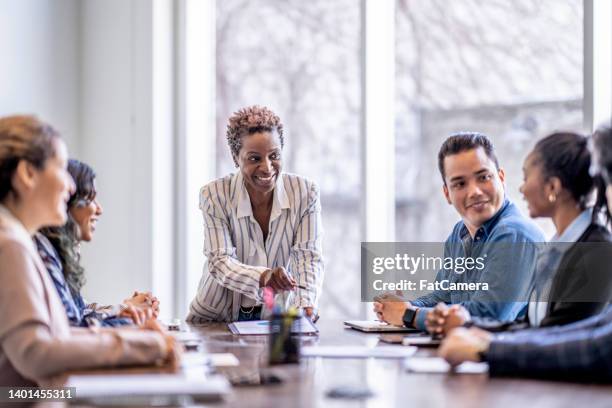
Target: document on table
(196, 359)
(185, 336)
(358, 351)
(433, 365)
(301, 326)
(142, 385)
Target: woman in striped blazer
(262, 228)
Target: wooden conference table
(306, 384)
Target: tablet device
(421, 341)
(375, 326)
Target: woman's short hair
(249, 120)
(23, 137)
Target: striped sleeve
(306, 252)
(212, 302)
(219, 248)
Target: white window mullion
(378, 123)
(378, 101)
(195, 136)
(597, 62)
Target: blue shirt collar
(576, 228)
(484, 231)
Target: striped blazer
(232, 236)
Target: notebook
(259, 327)
(375, 326)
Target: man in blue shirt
(580, 351)
(490, 224)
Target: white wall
(126, 111)
(39, 73)
(101, 71)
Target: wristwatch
(409, 316)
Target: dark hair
(602, 144)
(565, 155)
(65, 239)
(461, 142)
(23, 138)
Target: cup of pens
(283, 347)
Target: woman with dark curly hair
(262, 228)
(59, 248)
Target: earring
(552, 198)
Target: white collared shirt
(237, 254)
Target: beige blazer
(36, 342)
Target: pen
(302, 287)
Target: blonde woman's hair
(23, 137)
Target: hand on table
(390, 308)
(311, 313)
(138, 315)
(144, 300)
(463, 344)
(174, 349)
(442, 318)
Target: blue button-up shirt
(510, 242)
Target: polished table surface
(306, 384)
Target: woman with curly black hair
(262, 228)
(59, 249)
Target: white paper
(263, 327)
(196, 359)
(435, 365)
(185, 336)
(223, 360)
(358, 351)
(89, 386)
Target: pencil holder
(284, 348)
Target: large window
(302, 59)
(510, 69)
